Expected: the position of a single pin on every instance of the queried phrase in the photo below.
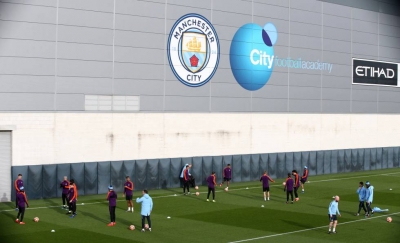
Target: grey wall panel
(272, 165)
(196, 170)
(308, 5)
(104, 177)
(207, 169)
(35, 181)
(93, 19)
(269, 105)
(181, 103)
(141, 174)
(217, 166)
(289, 161)
(263, 164)
(117, 179)
(305, 17)
(297, 161)
(175, 172)
(26, 102)
(312, 161)
(27, 13)
(327, 162)
(367, 159)
(254, 167)
(164, 173)
(78, 174)
(280, 165)
(272, 11)
(85, 35)
(373, 161)
(15, 170)
(347, 160)
(341, 164)
(304, 105)
(50, 181)
(385, 158)
(62, 170)
(379, 158)
(336, 9)
(245, 173)
(396, 157)
(320, 161)
(153, 173)
(334, 162)
(137, 87)
(77, 68)
(26, 84)
(236, 168)
(91, 178)
(390, 157)
(70, 102)
(153, 9)
(98, 5)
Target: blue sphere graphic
(251, 56)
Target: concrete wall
(77, 137)
(54, 52)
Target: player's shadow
(95, 217)
(10, 215)
(245, 196)
(301, 225)
(54, 206)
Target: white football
(389, 219)
(284, 183)
(226, 189)
(146, 226)
(197, 193)
(197, 188)
(132, 227)
(36, 219)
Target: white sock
(132, 209)
(268, 198)
(265, 198)
(329, 229)
(334, 229)
(129, 208)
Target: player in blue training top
(361, 196)
(333, 211)
(369, 197)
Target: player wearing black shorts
(227, 175)
(265, 182)
(128, 193)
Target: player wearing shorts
(304, 178)
(265, 182)
(226, 175)
(128, 193)
(369, 197)
(72, 197)
(333, 211)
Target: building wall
(76, 137)
(54, 52)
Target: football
(284, 183)
(197, 193)
(226, 189)
(146, 226)
(36, 219)
(197, 188)
(389, 219)
(132, 227)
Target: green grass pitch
(237, 215)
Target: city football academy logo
(252, 55)
(193, 50)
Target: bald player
(333, 212)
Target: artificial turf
(237, 215)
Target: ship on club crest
(193, 50)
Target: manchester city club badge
(193, 50)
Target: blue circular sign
(252, 55)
